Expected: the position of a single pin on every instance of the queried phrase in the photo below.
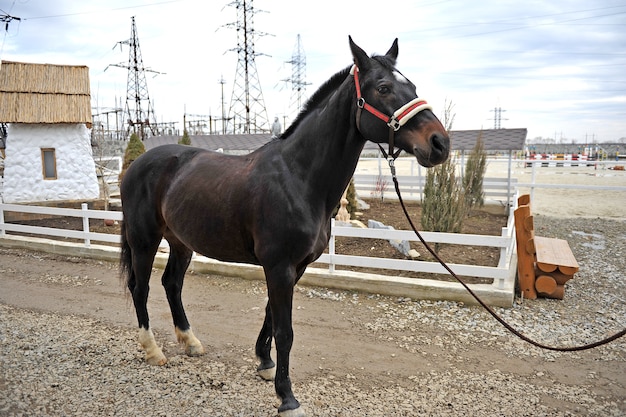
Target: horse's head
(390, 111)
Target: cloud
(552, 67)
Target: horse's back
(148, 177)
(160, 158)
(155, 166)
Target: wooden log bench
(544, 264)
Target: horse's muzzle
(438, 150)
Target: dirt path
(437, 357)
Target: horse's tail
(126, 259)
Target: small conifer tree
(134, 149)
(443, 203)
(443, 206)
(474, 175)
(185, 140)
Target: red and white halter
(395, 121)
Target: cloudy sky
(555, 68)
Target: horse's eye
(383, 89)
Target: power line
(102, 11)
(6, 19)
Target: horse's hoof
(194, 350)
(154, 354)
(267, 374)
(193, 347)
(157, 360)
(298, 412)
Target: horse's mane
(327, 88)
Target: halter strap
(395, 121)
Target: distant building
(494, 140)
(48, 154)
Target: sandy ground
(558, 202)
(354, 354)
(68, 347)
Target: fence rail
(84, 212)
(505, 243)
(500, 273)
(412, 187)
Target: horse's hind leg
(172, 280)
(138, 284)
(267, 367)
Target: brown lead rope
(481, 302)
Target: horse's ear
(392, 53)
(361, 59)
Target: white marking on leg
(193, 347)
(154, 355)
(298, 412)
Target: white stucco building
(48, 155)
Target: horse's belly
(239, 256)
(214, 240)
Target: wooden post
(524, 235)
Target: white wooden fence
(85, 213)
(412, 187)
(500, 273)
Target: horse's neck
(326, 147)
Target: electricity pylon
(139, 112)
(298, 75)
(247, 108)
(497, 117)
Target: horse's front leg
(280, 285)
(267, 367)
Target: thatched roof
(44, 93)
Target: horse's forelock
(385, 61)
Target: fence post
(2, 231)
(84, 208)
(509, 192)
(331, 247)
(505, 256)
(532, 181)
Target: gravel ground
(443, 358)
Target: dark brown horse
(271, 207)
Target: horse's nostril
(439, 143)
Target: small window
(49, 161)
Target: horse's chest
(320, 241)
